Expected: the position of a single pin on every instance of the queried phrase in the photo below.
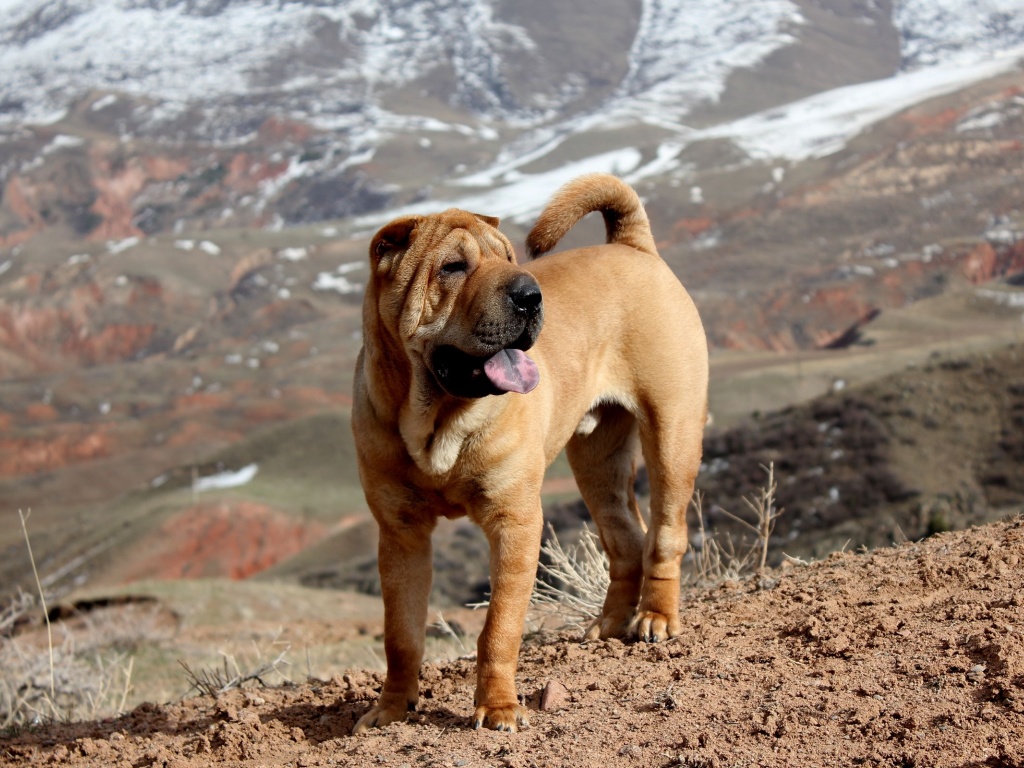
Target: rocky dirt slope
(929, 449)
(906, 656)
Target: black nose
(524, 293)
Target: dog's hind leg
(604, 463)
(672, 447)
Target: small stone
(554, 696)
(247, 717)
(766, 583)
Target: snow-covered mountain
(336, 64)
(491, 93)
(324, 60)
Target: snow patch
(336, 281)
(1003, 235)
(526, 196)
(293, 254)
(1014, 299)
(103, 102)
(942, 31)
(325, 281)
(225, 480)
(822, 124)
(981, 122)
(62, 141)
(119, 246)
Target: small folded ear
(395, 236)
(494, 221)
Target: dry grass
(15, 612)
(61, 683)
(452, 641)
(264, 669)
(42, 681)
(572, 583)
(718, 557)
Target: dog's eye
(454, 268)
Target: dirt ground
(906, 656)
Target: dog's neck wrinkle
(420, 418)
(436, 433)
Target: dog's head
(448, 288)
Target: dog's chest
(435, 443)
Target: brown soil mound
(883, 462)
(907, 656)
(232, 539)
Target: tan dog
(452, 417)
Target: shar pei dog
(476, 371)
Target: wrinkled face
(448, 287)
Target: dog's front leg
(404, 559)
(515, 549)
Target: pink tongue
(511, 370)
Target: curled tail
(624, 216)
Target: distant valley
(183, 230)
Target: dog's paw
(382, 714)
(653, 627)
(604, 627)
(511, 718)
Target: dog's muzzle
(498, 363)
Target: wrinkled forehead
(455, 229)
